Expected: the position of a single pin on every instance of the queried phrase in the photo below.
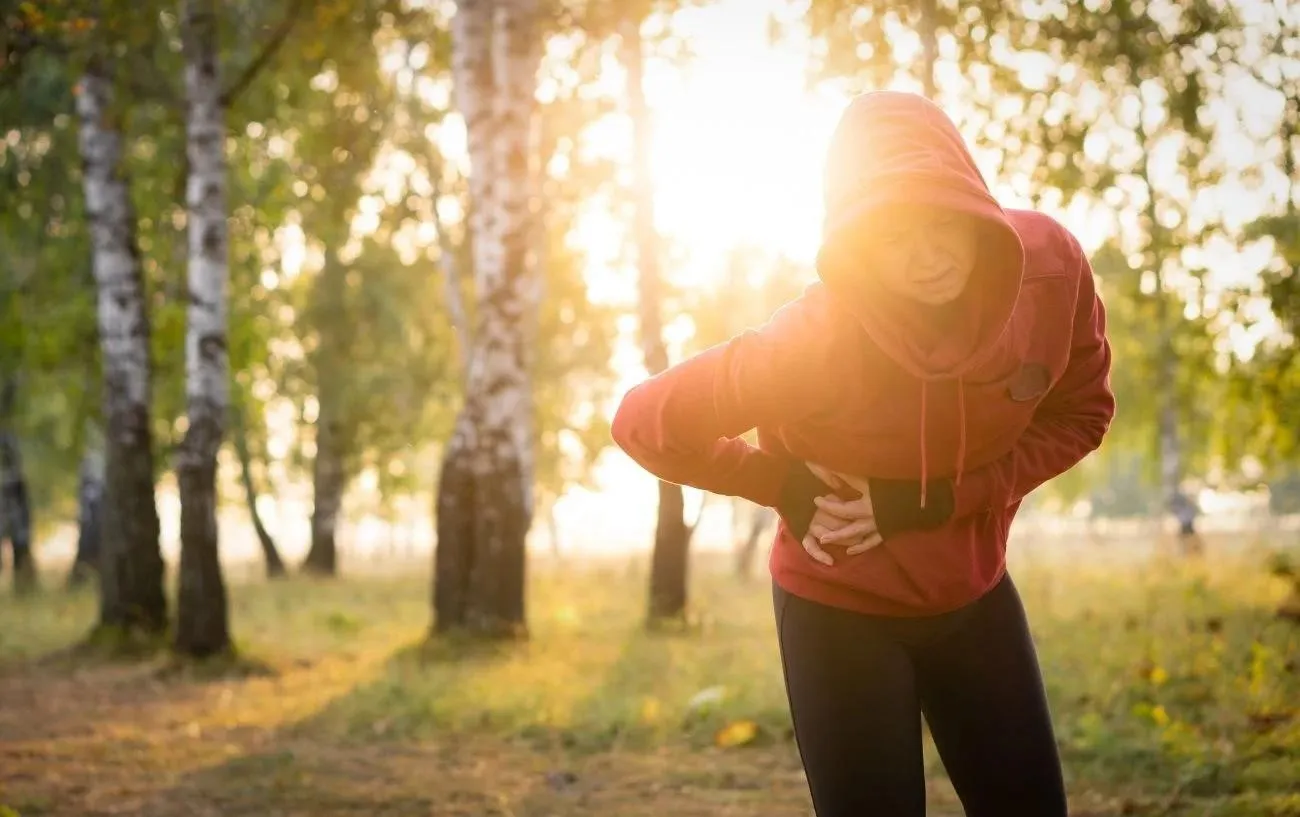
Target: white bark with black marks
(202, 626)
(131, 565)
(485, 492)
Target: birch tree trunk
(670, 559)
(202, 624)
(131, 564)
(90, 503)
(15, 504)
(484, 496)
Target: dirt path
(120, 740)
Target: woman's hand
(842, 522)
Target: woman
(952, 359)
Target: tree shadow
(350, 755)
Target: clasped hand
(841, 523)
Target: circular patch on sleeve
(1030, 383)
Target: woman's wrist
(796, 505)
(898, 507)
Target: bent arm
(1068, 425)
(684, 424)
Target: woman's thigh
(983, 698)
(856, 713)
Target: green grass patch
(1174, 688)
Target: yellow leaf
(650, 710)
(1159, 715)
(736, 733)
(1159, 676)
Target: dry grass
(1174, 691)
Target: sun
(739, 137)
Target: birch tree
(484, 505)
(202, 626)
(131, 564)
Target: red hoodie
(1015, 392)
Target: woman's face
(926, 254)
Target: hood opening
(894, 148)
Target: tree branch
(451, 273)
(250, 72)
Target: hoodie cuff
(897, 505)
(796, 506)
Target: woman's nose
(924, 251)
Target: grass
(1174, 690)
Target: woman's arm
(683, 425)
(1068, 425)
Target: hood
(891, 148)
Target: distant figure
(952, 359)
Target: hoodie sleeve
(1069, 423)
(683, 425)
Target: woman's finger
(867, 544)
(845, 509)
(815, 551)
(849, 533)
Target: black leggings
(858, 685)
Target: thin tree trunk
(274, 564)
(1289, 608)
(90, 502)
(553, 531)
(759, 520)
(669, 562)
(484, 496)
(329, 474)
(929, 32)
(203, 622)
(15, 504)
(329, 481)
(131, 564)
(1175, 500)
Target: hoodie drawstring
(925, 460)
(961, 426)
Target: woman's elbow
(626, 427)
(1097, 423)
